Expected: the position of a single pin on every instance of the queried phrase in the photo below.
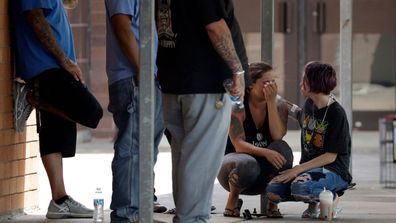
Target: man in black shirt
(200, 46)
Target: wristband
(293, 108)
(242, 72)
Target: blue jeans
(307, 186)
(124, 105)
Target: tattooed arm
(36, 19)
(220, 36)
(238, 139)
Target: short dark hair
(320, 77)
(257, 69)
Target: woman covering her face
(255, 151)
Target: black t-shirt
(330, 134)
(258, 137)
(187, 62)
(166, 54)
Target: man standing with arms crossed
(207, 48)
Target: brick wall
(99, 87)
(18, 151)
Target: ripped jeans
(306, 187)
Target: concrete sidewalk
(91, 168)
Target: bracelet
(242, 72)
(293, 108)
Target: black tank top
(259, 137)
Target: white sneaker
(68, 209)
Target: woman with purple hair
(325, 146)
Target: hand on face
(270, 90)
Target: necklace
(327, 108)
(314, 125)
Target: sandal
(274, 214)
(231, 213)
(336, 212)
(236, 212)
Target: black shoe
(159, 208)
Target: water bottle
(98, 206)
(237, 104)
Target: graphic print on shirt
(166, 35)
(314, 133)
(261, 142)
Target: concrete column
(346, 60)
(267, 30)
(346, 57)
(267, 45)
(146, 111)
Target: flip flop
(231, 213)
(274, 214)
(236, 212)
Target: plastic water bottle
(98, 206)
(237, 104)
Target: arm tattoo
(236, 128)
(36, 19)
(225, 48)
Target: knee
(96, 116)
(300, 189)
(239, 171)
(273, 192)
(284, 149)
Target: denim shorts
(308, 185)
(57, 88)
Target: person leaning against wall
(46, 61)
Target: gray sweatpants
(199, 132)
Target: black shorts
(56, 87)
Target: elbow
(278, 136)
(332, 157)
(216, 29)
